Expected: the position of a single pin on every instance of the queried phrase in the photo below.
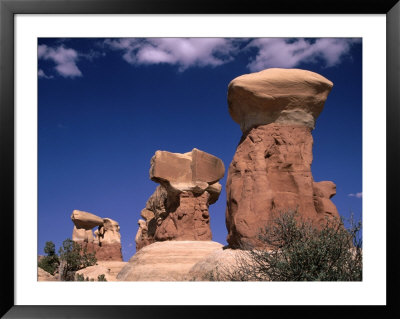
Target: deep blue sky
(106, 105)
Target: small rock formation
(106, 243)
(166, 261)
(271, 169)
(178, 209)
(83, 224)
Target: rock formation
(166, 261)
(219, 265)
(178, 209)
(43, 275)
(271, 169)
(106, 243)
(108, 268)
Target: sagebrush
(295, 250)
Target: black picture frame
(8, 10)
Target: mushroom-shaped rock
(287, 96)
(85, 220)
(106, 242)
(271, 169)
(178, 209)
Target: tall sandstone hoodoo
(106, 242)
(178, 209)
(271, 169)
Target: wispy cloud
(43, 75)
(357, 195)
(64, 58)
(200, 52)
(183, 52)
(288, 53)
(92, 54)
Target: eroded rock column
(178, 209)
(271, 169)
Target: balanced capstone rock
(271, 170)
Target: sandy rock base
(43, 275)
(109, 268)
(217, 265)
(167, 261)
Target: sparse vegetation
(72, 258)
(79, 277)
(297, 251)
(50, 262)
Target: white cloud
(183, 52)
(65, 59)
(357, 195)
(201, 52)
(269, 52)
(43, 75)
(92, 54)
(288, 53)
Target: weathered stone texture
(178, 209)
(271, 169)
(108, 268)
(106, 241)
(285, 96)
(190, 221)
(166, 261)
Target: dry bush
(298, 251)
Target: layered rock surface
(219, 265)
(178, 209)
(108, 268)
(166, 261)
(43, 275)
(271, 169)
(106, 241)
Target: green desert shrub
(72, 258)
(298, 251)
(101, 277)
(80, 277)
(50, 262)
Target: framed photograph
(92, 90)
